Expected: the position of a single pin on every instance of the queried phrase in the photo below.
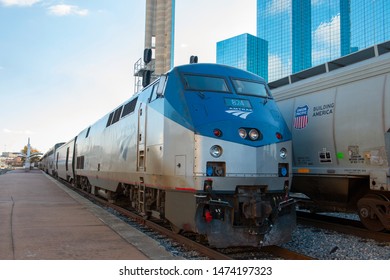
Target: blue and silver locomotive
(204, 147)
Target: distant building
(8, 159)
(246, 52)
(305, 33)
(2, 162)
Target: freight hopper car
(203, 147)
(340, 123)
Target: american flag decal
(301, 117)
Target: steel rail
(342, 225)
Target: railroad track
(269, 252)
(341, 225)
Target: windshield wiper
(265, 101)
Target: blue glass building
(246, 52)
(306, 33)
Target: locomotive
(339, 116)
(204, 147)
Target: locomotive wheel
(369, 219)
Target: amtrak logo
(239, 113)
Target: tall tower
(159, 32)
(301, 35)
(286, 25)
(159, 42)
(246, 52)
(306, 33)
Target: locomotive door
(141, 139)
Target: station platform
(41, 219)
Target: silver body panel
(64, 161)
(174, 160)
(49, 160)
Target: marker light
(216, 151)
(208, 217)
(217, 132)
(279, 136)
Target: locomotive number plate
(238, 103)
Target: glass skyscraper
(246, 52)
(305, 33)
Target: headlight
(242, 133)
(254, 134)
(283, 153)
(216, 151)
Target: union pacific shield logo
(301, 117)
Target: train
(339, 117)
(203, 147)
(48, 161)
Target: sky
(65, 64)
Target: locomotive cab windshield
(219, 84)
(246, 87)
(205, 83)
